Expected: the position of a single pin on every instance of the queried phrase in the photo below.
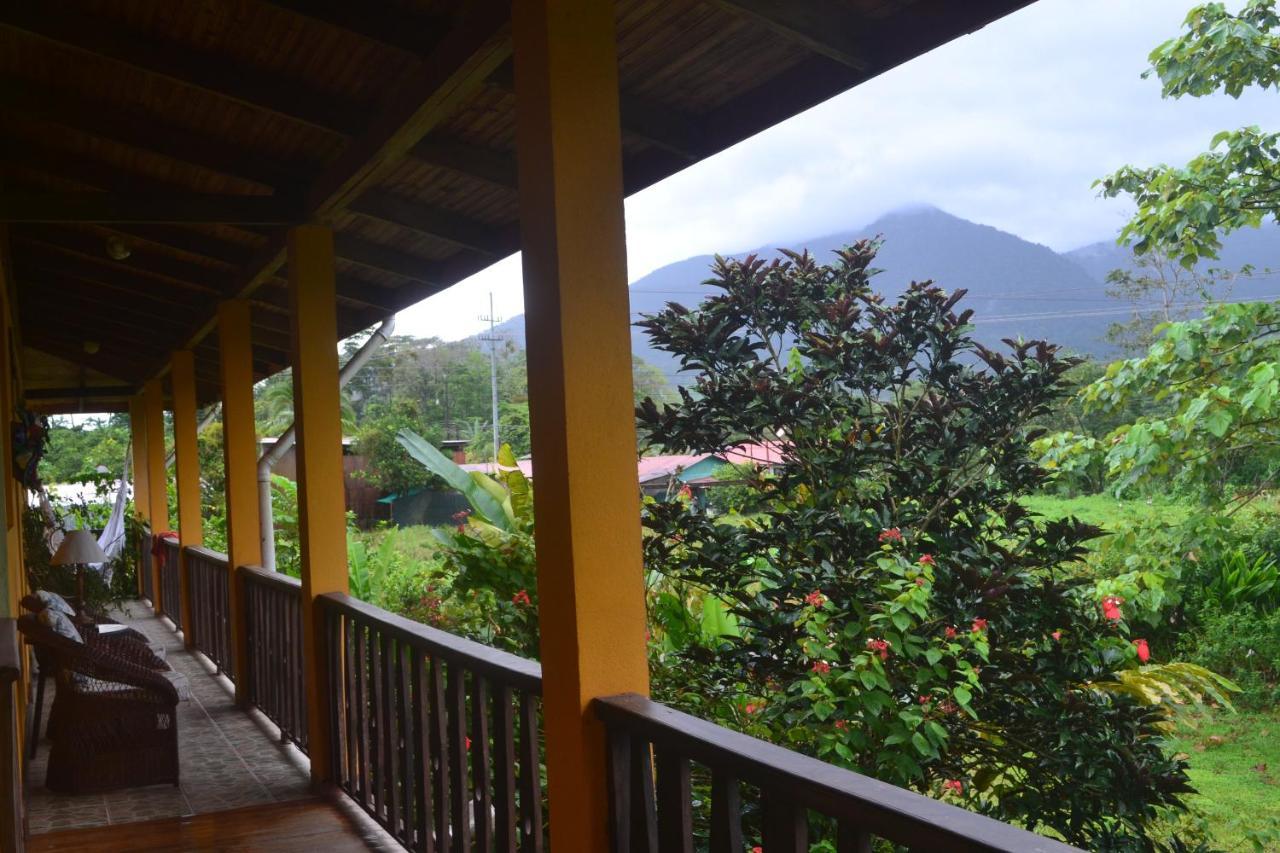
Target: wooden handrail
(872, 806)
(513, 670)
(206, 553)
(279, 580)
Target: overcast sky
(1006, 127)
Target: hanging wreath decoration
(30, 435)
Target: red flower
(881, 647)
(521, 597)
(757, 849)
(1111, 607)
(462, 528)
(686, 492)
(979, 625)
(922, 699)
(753, 708)
(468, 743)
(946, 706)
(1057, 636)
(891, 534)
(842, 725)
(821, 667)
(953, 785)
(815, 599)
(926, 560)
(951, 632)
(919, 581)
(1144, 651)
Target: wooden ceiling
(192, 133)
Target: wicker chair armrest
(101, 664)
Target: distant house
(361, 497)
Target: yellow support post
(182, 373)
(322, 522)
(240, 457)
(141, 483)
(590, 580)
(157, 475)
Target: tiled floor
(228, 758)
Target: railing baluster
(504, 771)
(422, 739)
(404, 744)
(675, 803)
(460, 812)
(726, 814)
(440, 750)
(530, 778)
(361, 664)
(850, 838)
(337, 732)
(785, 826)
(644, 817)
(481, 800)
(390, 749)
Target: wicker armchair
(114, 720)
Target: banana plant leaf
(485, 504)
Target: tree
(1182, 211)
(899, 611)
(1161, 291)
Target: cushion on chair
(53, 601)
(59, 623)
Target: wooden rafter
(142, 131)
(50, 260)
(17, 206)
(830, 28)
(383, 23)
(485, 164)
(92, 247)
(385, 258)
(218, 75)
(425, 219)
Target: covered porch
(199, 197)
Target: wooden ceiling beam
(143, 131)
(222, 76)
(425, 219)
(81, 170)
(485, 164)
(71, 350)
(81, 392)
(92, 248)
(52, 273)
(830, 28)
(641, 117)
(384, 258)
(185, 239)
(18, 206)
(382, 23)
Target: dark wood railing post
(11, 829)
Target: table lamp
(78, 549)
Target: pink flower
(1144, 651)
(922, 699)
(881, 647)
(821, 667)
(953, 786)
(757, 849)
(919, 581)
(951, 632)
(815, 599)
(1111, 607)
(1057, 636)
(979, 625)
(891, 534)
(522, 598)
(753, 708)
(926, 560)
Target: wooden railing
(209, 585)
(436, 737)
(11, 834)
(144, 568)
(648, 814)
(171, 583)
(272, 608)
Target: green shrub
(1244, 645)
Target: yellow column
(141, 484)
(322, 521)
(240, 452)
(590, 585)
(182, 374)
(157, 475)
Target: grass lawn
(1105, 511)
(1235, 766)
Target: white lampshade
(79, 546)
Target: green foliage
(1240, 582)
(490, 553)
(1182, 211)
(284, 510)
(75, 452)
(1244, 644)
(1219, 377)
(386, 465)
(899, 611)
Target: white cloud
(1008, 127)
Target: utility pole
(492, 319)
